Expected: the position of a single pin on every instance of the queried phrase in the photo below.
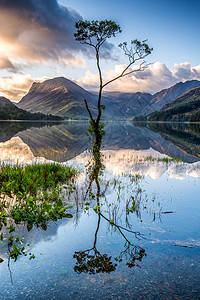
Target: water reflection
(15, 151)
(91, 261)
(9, 129)
(137, 213)
(67, 140)
(185, 136)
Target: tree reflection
(92, 261)
(132, 254)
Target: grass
(164, 159)
(31, 195)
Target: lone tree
(95, 34)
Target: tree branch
(89, 110)
(124, 72)
(137, 234)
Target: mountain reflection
(126, 148)
(67, 140)
(8, 129)
(17, 152)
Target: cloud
(5, 63)
(38, 31)
(184, 71)
(153, 79)
(90, 80)
(16, 86)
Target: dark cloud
(41, 30)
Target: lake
(145, 243)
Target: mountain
(130, 104)
(4, 101)
(193, 94)
(58, 96)
(184, 108)
(62, 97)
(167, 95)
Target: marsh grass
(164, 159)
(32, 195)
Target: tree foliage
(95, 33)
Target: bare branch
(137, 234)
(88, 110)
(141, 67)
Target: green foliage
(12, 112)
(15, 252)
(195, 117)
(136, 50)
(184, 111)
(87, 31)
(164, 159)
(28, 180)
(96, 133)
(140, 119)
(31, 195)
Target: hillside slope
(167, 95)
(184, 108)
(9, 111)
(4, 101)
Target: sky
(37, 43)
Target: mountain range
(167, 95)
(62, 97)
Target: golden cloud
(153, 79)
(16, 86)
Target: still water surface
(153, 253)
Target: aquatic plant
(31, 195)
